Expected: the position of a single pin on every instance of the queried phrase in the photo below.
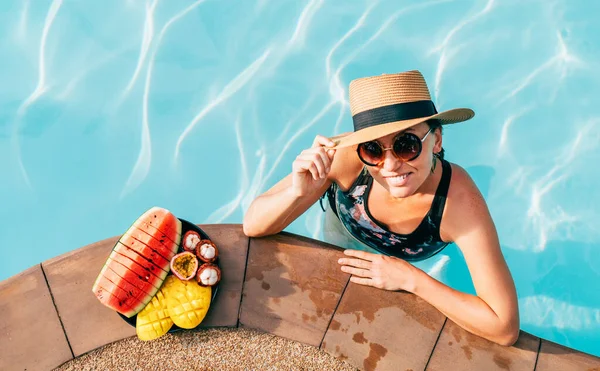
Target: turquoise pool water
(109, 108)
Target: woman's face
(403, 179)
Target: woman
(400, 201)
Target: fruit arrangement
(157, 279)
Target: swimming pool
(107, 110)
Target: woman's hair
(434, 124)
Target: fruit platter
(161, 275)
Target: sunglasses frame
(420, 141)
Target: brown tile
(466, 351)
(553, 356)
(292, 287)
(31, 335)
(382, 330)
(233, 250)
(87, 322)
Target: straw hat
(381, 105)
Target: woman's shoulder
(462, 186)
(464, 202)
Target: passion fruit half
(184, 265)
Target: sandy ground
(208, 349)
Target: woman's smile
(398, 180)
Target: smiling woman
(395, 205)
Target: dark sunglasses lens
(407, 147)
(370, 152)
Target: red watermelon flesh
(139, 271)
(140, 259)
(129, 287)
(134, 236)
(145, 288)
(164, 237)
(146, 251)
(163, 220)
(113, 302)
(123, 273)
(116, 298)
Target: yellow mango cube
(187, 301)
(153, 321)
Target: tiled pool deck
(286, 285)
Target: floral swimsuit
(352, 210)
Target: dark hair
(434, 124)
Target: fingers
(361, 254)
(319, 158)
(355, 263)
(362, 281)
(324, 142)
(356, 267)
(301, 165)
(321, 141)
(357, 271)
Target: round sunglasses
(406, 147)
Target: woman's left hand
(380, 271)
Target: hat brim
(452, 116)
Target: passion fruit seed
(190, 240)
(184, 265)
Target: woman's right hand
(312, 166)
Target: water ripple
(148, 34)
(142, 165)
(39, 90)
(236, 84)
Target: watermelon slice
(163, 221)
(139, 262)
(113, 276)
(122, 268)
(145, 251)
(127, 286)
(136, 239)
(120, 263)
(116, 298)
(144, 254)
(113, 302)
(147, 228)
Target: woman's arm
(273, 211)
(493, 313)
(311, 175)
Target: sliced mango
(187, 301)
(153, 321)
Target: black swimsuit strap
(439, 201)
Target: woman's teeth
(398, 180)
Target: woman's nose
(390, 161)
